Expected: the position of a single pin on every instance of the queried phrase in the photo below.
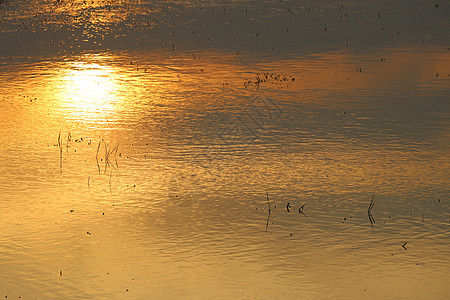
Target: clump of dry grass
(108, 155)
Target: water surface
(143, 143)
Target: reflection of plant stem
(267, 223)
(106, 155)
(60, 152)
(96, 157)
(115, 155)
(269, 212)
(369, 213)
(98, 149)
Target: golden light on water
(168, 150)
(89, 87)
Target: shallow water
(142, 145)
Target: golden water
(134, 169)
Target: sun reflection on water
(89, 88)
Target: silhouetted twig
(369, 210)
(300, 210)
